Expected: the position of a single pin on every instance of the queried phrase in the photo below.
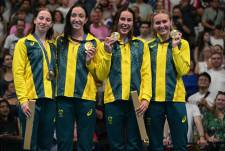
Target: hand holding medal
(90, 51)
(115, 36)
(176, 37)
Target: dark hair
(62, 17)
(116, 21)
(10, 115)
(205, 74)
(3, 58)
(68, 27)
(200, 41)
(146, 23)
(50, 30)
(4, 101)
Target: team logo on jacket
(135, 44)
(60, 112)
(109, 119)
(32, 43)
(89, 113)
(184, 119)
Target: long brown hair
(116, 21)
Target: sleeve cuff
(22, 101)
(145, 97)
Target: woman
(214, 121)
(10, 137)
(33, 71)
(205, 64)
(170, 60)
(130, 70)
(76, 91)
(7, 75)
(58, 23)
(202, 42)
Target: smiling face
(162, 25)
(203, 82)
(125, 23)
(220, 101)
(78, 18)
(43, 21)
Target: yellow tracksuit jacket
(168, 66)
(30, 69)
(130, 70)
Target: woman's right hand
(26, 109)
(108, 44)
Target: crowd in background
(201, 22)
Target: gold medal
(115, 36)
(174, 34)
(88, 46)
(51, 75)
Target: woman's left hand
(143, 107)
(177, 40)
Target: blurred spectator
(218, 48)
(97, 28)
(212, 16)
(10, 137)
(145, 30)
(52, 5)
(89, 5)
(214, 122)
(194, 120)
(202, 98)
(12, 39)
(188, 15)
(3, 27)
(190, 80)
(64, 7)
(6, 72)
(20, 15)
(205, 64)
(41, 4)
(10, 96)
(217, 74)
(216, 38)
(58, 25)
(137, 22)
(181, 24)
(202, 42)
(109, 10)
(145, 9)
(26, 6)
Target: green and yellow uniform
(168, 93)
(30, 71)
(76, 90)
(130, 70)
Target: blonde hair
(160, 11)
